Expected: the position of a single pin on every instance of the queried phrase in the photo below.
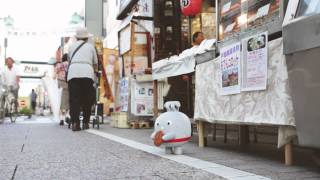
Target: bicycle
(9, 103)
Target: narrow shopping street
(38, 148)
(48, 151)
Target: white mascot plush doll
(172, 129)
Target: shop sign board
(230, 64)
(34, 70)
(255, 62)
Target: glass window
(308, 7)
(240, 15)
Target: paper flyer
(230, 64)
(255, 62)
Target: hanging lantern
(191, 7)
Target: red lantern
(191, 7)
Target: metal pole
(217, 20)
(5, 47)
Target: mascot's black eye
(169, 123)
(158, 124)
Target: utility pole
(5, 47)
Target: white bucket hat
(82, 32)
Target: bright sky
(39, 16)
(42, 14)
(42, 17)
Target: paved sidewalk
(261, 159)
(47, 151)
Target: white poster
(142, 99)
(230, 69)
(255, 62)
(124, 94)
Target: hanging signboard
(255, 62)
(34, 70)
(142, 99)
(230, 69)
(191, 7)
(125, 8)
(144, 8)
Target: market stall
(247, 84)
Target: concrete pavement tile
(191, 175)
(48, 171)
(6, 171)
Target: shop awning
(183, 64)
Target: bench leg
(288, 153)
(201, 134)
(225, 133)
(214, 132)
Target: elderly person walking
(83, 65)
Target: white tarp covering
(173, 67)
(182, 64)
(272, 106)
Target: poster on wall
(142, 99)
(124, 94)
(255, 62)
(230, 69)
(140, 64)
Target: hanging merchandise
(191, 7)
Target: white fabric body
(54, 93)
(82, 61)
(173, 67)
(272, 106)
(9, 77)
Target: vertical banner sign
(124, 94)
(230, 69)
(255, 62)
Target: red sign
(191, 7)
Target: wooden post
(225, 133)
(200, 127)
(255, 136)
(155, 99)
(288, 153)
(243, 134)
(214, 132)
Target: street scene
(159, 89)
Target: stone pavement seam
(217, 169)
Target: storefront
(248, 82)
(134, 90)
(173, 35)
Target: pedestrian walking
(10, 78)
(60, 69)
(33, 98)
(83, 66)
